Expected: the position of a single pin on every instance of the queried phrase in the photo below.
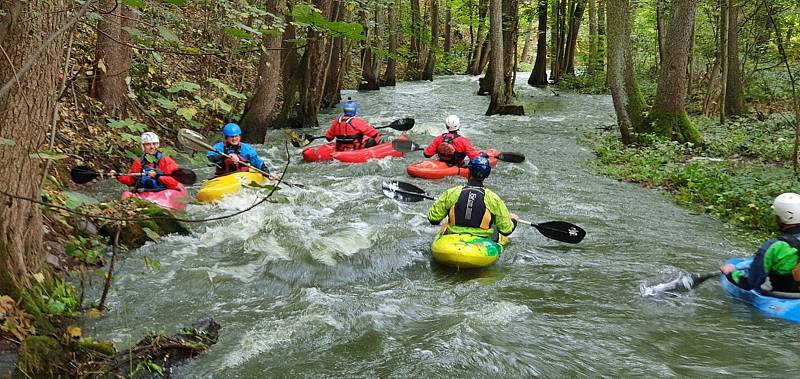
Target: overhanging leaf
(166, 103)
(168, 34)
(133, 32)
(48, 155)
(238, 33)
(134, 3)
(186, 113)
(75, 199)
(183, 86)
(151, 234)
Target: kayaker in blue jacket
(777, 259)
(238, 151)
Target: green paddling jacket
(474, 210)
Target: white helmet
(149, 137)
(452, 123)
(787, 207)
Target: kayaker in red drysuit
(153, 165)
(351, 132)
(778, 259)
(451, 147)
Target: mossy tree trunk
(539, 74)
(113, 58)
(669, 116)
(618, 49)
(25, 116)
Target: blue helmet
(350, 108)
(231, 130)
(479, 167)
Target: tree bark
(498, 95)
(390, 77)
(25, 116)
(555, 35)
(661, 32)
(448, 32)
(113, 59)
(669, 114)
(539, 74)
(618, 48)
(723, 57)
(601, 32)
(510, 37)
(480, 52)
(572, 39)
(734, 105)
(501, 63)
(592, 66)
(412, 68)
(430, 63)
(527, 46)
(333, 83)
(302, 88)
(258, 111)
(369, 61)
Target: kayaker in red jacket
(153, 165)
(351, 132)
(451, 147)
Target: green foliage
(308, 15)
(148, 366)
(131, 125)
(49, 297)
(84, 249)
(726, 185)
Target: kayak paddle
(409, 146)
(683, 283)
(558, 230)
(85, 174)
(402, 124)
(197, 142)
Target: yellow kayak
(467, 251)
(217, 188)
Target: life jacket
(787, 282)
(447, 151)
(227, 165)
(145, 182)
(470, 209)
(347, 141)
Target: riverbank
(734, 177)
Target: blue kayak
(771, 306)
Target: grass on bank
(734, 176)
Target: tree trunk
(592, 66)
(734, 105)
(723, 57)
(333, 84)
(601, 32)
(669, 113)
(618, 48)
(539, 74)
(572, 39)
(562, 38)
(527, 46)
(510, 37)
(25, 116)
(448, 33)
(412, 68)
(555, 35)
(257, 112)
(302, 87)
(430, 63)
(661, 31)
(369, 61)
(486, 51)
(477, 63)
(113, 59)
(390, 77)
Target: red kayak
(436, 169)
(168, 198)
(327, 152)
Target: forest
(703, 95)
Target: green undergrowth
(734, 176)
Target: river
(338, 282)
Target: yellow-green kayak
(217, 188)
(467, 251)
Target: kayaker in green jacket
(474, 209)
(777, 259)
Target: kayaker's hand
(152, 174)
(514, 216)
(235, 158)
(112, 173)
(727, 269)
(275, 177)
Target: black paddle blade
(683, 283)
(406, 146)
(83, 174)
(511, 157)
(561, 231)
(402, 124)
(403, 191)
(184, 176)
